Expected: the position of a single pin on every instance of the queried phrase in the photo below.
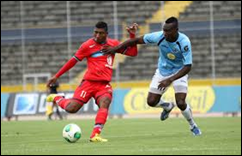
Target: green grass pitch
(221, 135)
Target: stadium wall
(4, 103)
(203, 99)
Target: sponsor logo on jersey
(171, 56)
(186, 48)
(91, 46)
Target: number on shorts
(83, 94)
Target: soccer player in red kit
(96, 82)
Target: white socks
(187, 113)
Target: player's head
(170, 29)
(101, 32)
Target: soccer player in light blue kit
(174, 64)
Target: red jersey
(99, 66)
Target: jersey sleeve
(71, 63)
(81, 52)
(130, 51)
(187, 52)
(152, 38)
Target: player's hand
(133, 28)
(164, 84)
(51, 81)
(108, 50)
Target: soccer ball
(72, 133)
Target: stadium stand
(42, 55)
(53, 13)
(199, 11)
(49, 55)
(227, 43)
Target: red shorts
(89, 89)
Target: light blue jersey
(173, 55)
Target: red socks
(102, 115)
(100, 120)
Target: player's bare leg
(73, 106)
(100, 120)
(69, 105)
(154, 100)
(187, 113)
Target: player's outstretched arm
(124, 45)
(127, 45)
(71, 63)
(184, 71)
(51, 81)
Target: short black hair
(102, 25)
(172, 20)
